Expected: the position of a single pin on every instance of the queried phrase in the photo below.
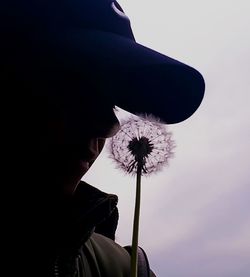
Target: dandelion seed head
(142, 141)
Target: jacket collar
(89, 210)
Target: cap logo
(119, 12)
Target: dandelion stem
(134, 255)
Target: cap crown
(104, 15)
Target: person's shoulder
(109, 257)
(108, 245)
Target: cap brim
(139, 79)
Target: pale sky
(195, 214)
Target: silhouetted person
(65, 65)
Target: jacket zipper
(56, 267)
(66, 267)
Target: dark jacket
(74, 239)
(89, 249)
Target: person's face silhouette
(75, 138)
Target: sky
(195, 213)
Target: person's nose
(113, 130)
